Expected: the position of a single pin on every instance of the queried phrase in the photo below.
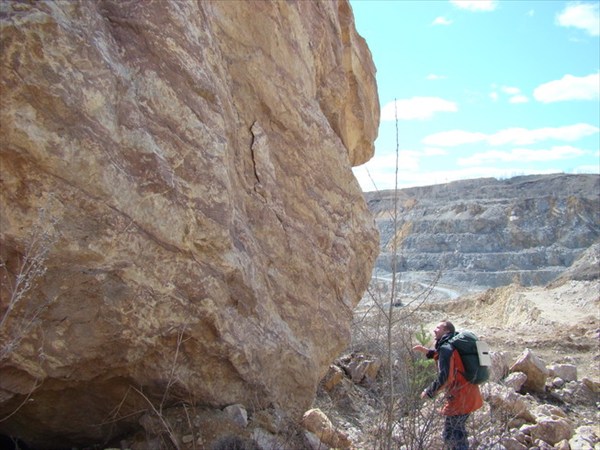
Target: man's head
(442, 328)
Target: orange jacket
(461, 396)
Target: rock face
(203, 236)
(489, 232)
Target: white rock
(515, 380)
(534, 368)
(552, 430)
(567, 372)
(513, 444)
(315, 421)
(585, 438)
(238, 414)
(548, 411)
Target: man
(462, 397)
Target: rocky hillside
(544, 387)
(176, 199)
(486, 232)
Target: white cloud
(417, 108)
(511, 136)
(434, 151)
(569, 87)
(585, 16)
(514, 93)
(516, 136)
(408, 178)
(522, 155)
(453, 138)
(523, 136)
(518, 99)
(441, 21)
(433, 77)
(475, 5)
(510, 90)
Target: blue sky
(483, 88)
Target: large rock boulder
(550, 430)
(535, 369)
(203, 238)
(316, 422)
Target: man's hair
(448, 326)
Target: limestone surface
(180, 171)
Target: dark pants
(455, 432)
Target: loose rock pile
(546, 405)
(535, 406)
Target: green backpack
(475, 356)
